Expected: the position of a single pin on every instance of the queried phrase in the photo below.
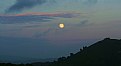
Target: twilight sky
(29, 28)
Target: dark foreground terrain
(103, 53)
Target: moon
(61, 25)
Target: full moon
(61, 25)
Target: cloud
(83, 23)
(67, 15)
(24, 19)
(21, 5)
(34, 17)
(24, 4)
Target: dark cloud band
(24, 4)
(28, 18)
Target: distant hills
(103, 53)
(24, 60)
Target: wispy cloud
(84, 22)
(24, 19)
(34, 17)
(24, 4)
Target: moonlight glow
(61, 25)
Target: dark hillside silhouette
(103, 53)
